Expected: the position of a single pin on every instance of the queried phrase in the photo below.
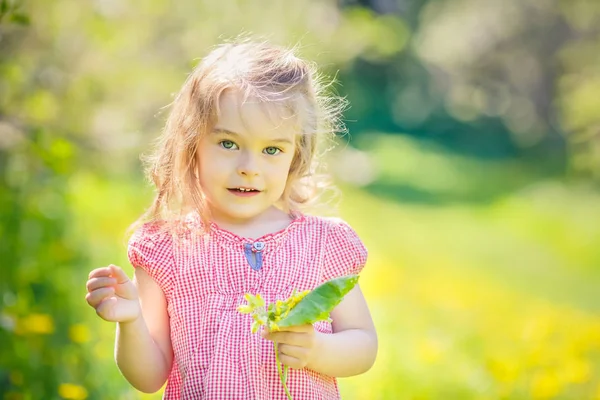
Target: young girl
(233, 169)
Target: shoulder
(336, 234)
(150, 233)
(150, 248)
(343, 252)
(166, 232)
(331, 226)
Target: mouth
(243, 190)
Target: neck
(271, 220)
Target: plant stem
(282, 378)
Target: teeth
(245, 190)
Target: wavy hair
(272, 74)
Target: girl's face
(245, 161)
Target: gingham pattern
(204, 279)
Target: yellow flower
(79, 333)
(254, 301)
(279, 307)
(273, 326)
(545, 385)
(260, 318)
(245, 309)
(72, 392)
(597, 395)
(295, 298)
(37, 323)
(576, 370)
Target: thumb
(264, 331)
(118, 274)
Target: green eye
(272, 151)
(227, 144)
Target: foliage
(302, 308)
(483, 267)
(11, 11)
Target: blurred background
(471, 171)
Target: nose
(247, 164)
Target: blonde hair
(274, 75)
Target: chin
(240, 214)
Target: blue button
(258, 246)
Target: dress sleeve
(345, 253)
(152, 250)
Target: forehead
(251, 116)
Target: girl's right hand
(113, 295)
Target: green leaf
(20, 19)
(317, 305)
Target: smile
(244, 192)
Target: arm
(143, 349)
(352, 348)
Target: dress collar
(228, 239)
(264, 243)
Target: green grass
(477, 299)
(471, 304)
(482, 276)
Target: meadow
(482, 276)
(472, 176)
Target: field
(483, 276)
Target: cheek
(204, 180)
(280, 178)
(211, 169)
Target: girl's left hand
(296, 344)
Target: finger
(291, 362)
(118, 274)
(293, 351)
(95, 298)
(104, 308)
(293, 338)
(98, 272)
(298, 328)
(96, 283)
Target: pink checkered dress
(204, 279)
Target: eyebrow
(230, 133)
